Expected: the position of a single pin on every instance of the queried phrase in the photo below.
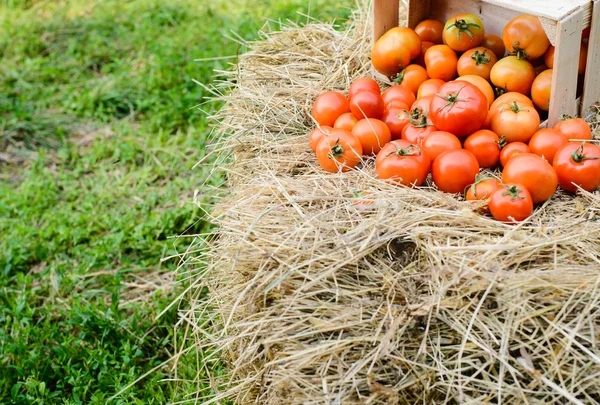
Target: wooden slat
(591, 86)
(564, 77)
(418, 11)
(385, 16)
(553, 9)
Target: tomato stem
(337, 150)
(501, 142)
(410, 150)
(565, 117)
(400, 76)
(518, 52)
(417, 118)
(463, 26)
(451, 99)
(513, 192)
(514, 107)
(478, 179)
(578, 155)
(480, 58)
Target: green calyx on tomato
(463, 26)
(478, 179)
(565, 117)
(579, 157)
(513, 192)
(514, 107)
(498, 91)
(501, 142)
(518, 52)
(399, 77)
(451, 99)
(480, 58)
(410, 150)
(419, 120)
(337, 150)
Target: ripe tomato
(437, 142)
(477, 61)
(394, 50)
(482, 85)
(454, 170)
(546, 142)
(402, 163)
(345, 121)
(425, 45)
(423, 105)
(396, 119)
(367, 104)
(411, 77)
(509, 97)
(316, 135)
(533, 172)
(397, 92)
(515, 121)
(463, 31)
(482, 189)
(361, 84)
(583, 51)
(396, 104)
(574, 129)
(578, 164)
(440, 61)
(328, 107)
(541, 90)
(459, 108)
(511, 203)
(429, 88)
(484, 145)
(430, 31)
(525, 36)
(513, 74)
(417, 130)
(373, 134)
(495, 44)
(507, 151)
(340, 151)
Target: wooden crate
(563, 21)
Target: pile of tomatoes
(443, 117)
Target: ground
(100, 125)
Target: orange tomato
(515, 122)
(328, 107)
(430, 31)
(481, 84)
(422, 105)
(396, 104)
(463, 31)
(345, 121)
(438, 142)
(477, 61)
(513, 74)
(340, 151)
(533, 172)
(541, 90)
(525, 36)
(411, 77)
(482, 189)
(394, 50)
(578, 164)
(511, 203)
(546, 142)
(574, 129)
(361, 84)
(316, 135)
(397, 92)
(495, 44)
(509, 98)
(402, 163)
(511, 149)
(485, 146)
(429, 87)
(440, 61)
(373, 134)
(583, 51)
(454, 170)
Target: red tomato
(477, 61)
(372, 133)
(340, 151)
(328, 107)
(438, 142)
(482, 189)
(394, 50)
(440, 61)
(422, 105)
(430, 31)
(546, 142)
(515, 122)
(417, 130)
(345, 121)
(402, 163)
(535, 173)
(459, 108)
(454, 170)
(481, 84)
(411, 77)
(397, 92)
(511, 149)
(511, 203)
(367, 104)
(578, 164)
(484, 145)
(495, 44)
(574, 129)
(429, 88)
(513, 74)
(397, 104)
(363, 84)
(541, 90)
(316, 135)
(425, 45)
(525, 36)
(463, 31)
(396, 119)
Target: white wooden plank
(552, 9)
(591, 86)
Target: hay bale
(400, 297)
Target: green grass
(99, 129)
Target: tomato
(525, 36)
(484, 144)
(328, 107)
(482, 85)
(316, 135)
(430, 31)
(482, 189)
(396, 104)
(402, 163)
(373, 134)
(397, 92)
(396, 119)
(515, 121)
(437, 142)
(394, 50)
(459, 108)
(425, 45)
(367, 104)
(574, 129)
(417, 130)
(411, 77)
(477, 61)
(429, 88)
(363, 84)
(463, 31)
(340, 151)
(513, 74)
(583, 51)
(546, 142)
(534, 172)
(495, 44)
(578, 164)
(440, 61)
(423, 104)
(509, 97)
(511, 203)
(507, 151)
(541, 90)
(454, 170)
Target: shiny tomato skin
(454, 170)
(429, 88)
(345, 121)
(546, 142)
(364, 83)
(484, 145)
(541, 90)
(328, 107)
(525, 34)
(463, 31)
(511, 203)
(512, 74)
(578, 163)
(333, 159)
(574, 129)
(481, 84)
(411, 77)
(533, 172)
(398, 92)
(459, 108)
(440, 62)
(438, 142)
(482, 189)
(396, 119)
(367, 104)
(430, 31)
(394, 50)
(515, 122)
(373, 134)
(512, 149)
(509, 97)
(316, 135)
(477, 61)
(495, 44)
(402, 163)
(415, 134)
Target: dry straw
(395, 296)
